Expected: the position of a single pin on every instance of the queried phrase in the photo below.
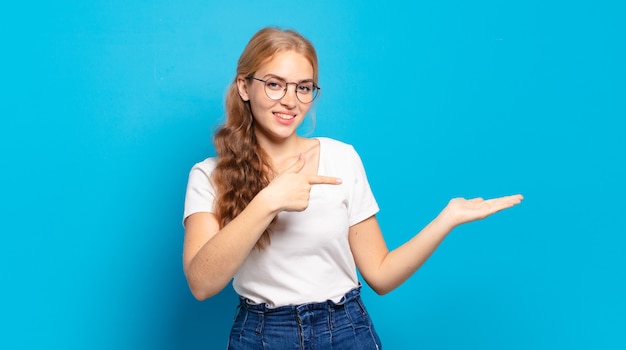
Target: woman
(292, 218)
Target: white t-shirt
(309, 258)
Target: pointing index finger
(324, 180)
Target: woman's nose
(290, 97)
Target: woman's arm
(384, 270)
(212, 256)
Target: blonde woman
(290, 219)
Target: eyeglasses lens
(277, 88)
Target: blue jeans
(325, 325)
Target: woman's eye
(305, 88)
(274, 85)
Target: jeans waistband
(352, 295)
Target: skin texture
(211, 256)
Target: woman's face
(276, 120)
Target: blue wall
(106, 105)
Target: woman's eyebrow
(271, 75)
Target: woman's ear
(242, 87)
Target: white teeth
(284, 116)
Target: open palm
(461, 210)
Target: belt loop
(331, 316)
(259, 327)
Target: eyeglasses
(276, 88)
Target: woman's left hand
(460, 210)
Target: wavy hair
(243, 168)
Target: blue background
(106, 105)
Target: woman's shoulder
(339, 151)
(335, 145)
(206, 166)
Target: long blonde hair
(243, 169)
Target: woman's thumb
(297, 166)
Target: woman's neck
(284, 154)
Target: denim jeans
(320, 326)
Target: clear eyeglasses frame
(276, 88)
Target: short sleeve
(200, 193)
(362, 203)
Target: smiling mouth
(284, 116)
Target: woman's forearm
(217, 261)
(402, 262)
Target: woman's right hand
(290, 190)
